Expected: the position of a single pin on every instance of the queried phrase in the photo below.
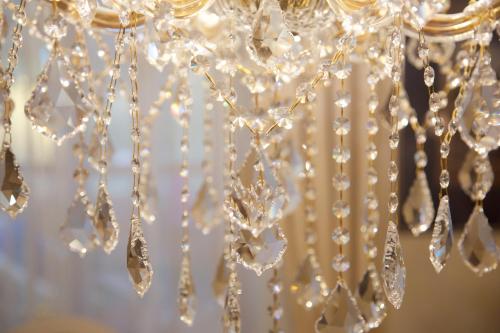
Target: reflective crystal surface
(77, 231)
(262, 252)
(220, 281)
(309, 286)
(393, 270)
(139, 268)
(370, 296)
(206, 211)
(57, 107)
(477, 244)
(418, 209)
(232, 313)
(105, 221)
(14, 193)
(476, 175)
(186, 300)
(341, 313)
(442, 236)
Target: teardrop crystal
(477, 244)
(206, 211)
(418, 210)
(57, 107)
(105, 220)
(309, 285)
(77, 231)
(394, 270)
(220, 282)
(262, 252)
(186, 300)
(341, 313)
(14, 192)
(442, 236)
(370, 297)
(139, 268)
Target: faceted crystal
(14, 191)
(206, 211)
(341, 313)
(105, 220)
(370, 296)
(148, 192)
(187, 298)
(442, 236)
(309, 286)
(86, 9)
(477, 244)
(394, 270)
(57, 107)
(429, 76)
(261, 252)
(220, 281)
(232, 313)
(418, 210)
(139, 268)
(78, 231)
(340, 263)
(476, 175)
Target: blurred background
(46, 289)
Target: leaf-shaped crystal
(442, 236)
(139, 268)
(14, 192)
(394, 270)
(370, 297)
(261, 252)
(476, 175)
(206, 211)
(309, 285)
(220, 282)
(477, 244)
(105, 221)
(78, 232)
(341, 313)
(57, 107)
(418, 210)
(186, 300)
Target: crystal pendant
(94, 150)
(187, 297)
(261, 252)
(105, 220)
(57, 107)
(476, 175)
(232, 314)
(309, 286)
(370, 297)
(442, 236)
(139, 268)
(86, 9)
(341, 313)
(477, 244)
(418, 210)
(14, 191)
(78, 231)
(256, 203)
(206, 211)
(394, 270)
(220, 282)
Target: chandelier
(263, 62)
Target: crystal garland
(256, 52)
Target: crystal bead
(429, 76)
(393, 270)
(342, 125)
(371, 201)
(341, 236)
(372, 176)
(341, 182)
(393, 202)
(394, 105)
(393, 171)
(341, 209)
(55, 27)
(340, 263)
(282, 116)
(434, 102)
(370, 250)
(342, 70)
(200, 64)
(341, 155)
(305, 93)
(343, 99)
(372, 102)
(444, 149)
(423, 51)
(442, 236)
(371, 151)
(372, 126)
(420, 159)
(444, 178)
(394, 141)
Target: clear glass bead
(372, 176)
(342, 126)
(305, 93)
(434, 102)
(341, 182)
(341, 209)
(340, 263)
(55, 27)
(372, 126)
(343, 99)
(342, 70)
(420, 159)
(341, 155)
(393, 171)
(444, 149)
(429, 76)
(394, 141)
(393, 202)
(444, 178)
(371, 201)
(341, 236)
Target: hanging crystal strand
(477, 243)
(104, 217)
(394, 271)
(232, 317)
(341, 311)
(138, 264)
(370, 293)
(275, 309)
(205, 211)
(418, 209)
(14, 192)
(187, 297)
(309, 285)
(77, 231)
